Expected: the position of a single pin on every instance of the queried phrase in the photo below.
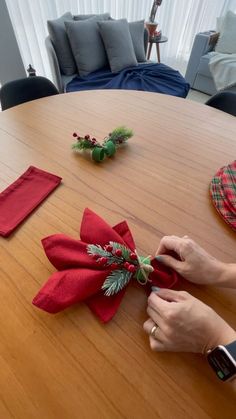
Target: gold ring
(153, 331)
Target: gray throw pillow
(87, 45)
(58, 35)
(102, 16)
(137, 34)
(118, 43)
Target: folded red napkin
(23, 196)
(97, 268)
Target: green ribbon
(139, 275)
(110, 148)
(98, 153)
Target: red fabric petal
(162, 276)
(64, 253)
(123, 230)
(95, 230)
(69, 287)
(105, 307)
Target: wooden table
(156, 40)
(70, 365)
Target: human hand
(185, 324)
(195, 264)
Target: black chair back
(224, 101)
(23, 90)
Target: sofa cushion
(87, 45)
(58, 35)
(118, 43)
(219, 23)
(102, 16)
(137, 34)
(227, 39)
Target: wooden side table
(156, 40)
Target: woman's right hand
(194, 263)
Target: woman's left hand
(185, 324)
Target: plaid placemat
(223, 193)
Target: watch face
(222, 363)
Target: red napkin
(80, 277)
(23, 196)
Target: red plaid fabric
(223, 193)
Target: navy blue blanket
(147, 77)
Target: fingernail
(158, 258)
(155, 289)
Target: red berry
(99, 261)
(114, 265)
(131, 268)
(108, 248)
(87, 137)
(118, 252)
(78, 138)
(126, 265)
(94, 140)
(95, 256)
(133, 256)
(74, 134)
(103, 260)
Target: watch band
(231, 348)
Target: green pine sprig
(116, 281)
(83, 144)
(120, 276)
(119, 135)
(96, 249)
(124, 249)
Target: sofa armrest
(54, 65)
(204, 42)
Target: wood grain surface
(70, 366)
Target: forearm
(227, 277)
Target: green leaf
(96, 249)
(116, 281)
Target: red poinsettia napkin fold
(80, 277)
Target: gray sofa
(59, 79)
(198, 74)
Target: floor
(197, 96)
(193, 94)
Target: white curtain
(179, 20)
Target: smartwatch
(223, 361)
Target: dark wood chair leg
(158, 53)
(149, 50)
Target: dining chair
(23, 90)
(224, 101)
